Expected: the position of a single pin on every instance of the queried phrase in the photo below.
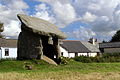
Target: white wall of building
(92, 54)
(72, 55)
(12, 52)
(82, 54)
(65, 52)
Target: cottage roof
(110, 45)
(8, 42)
(74, 46)
(91, 47)
(40, 26)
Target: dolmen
(38, 39)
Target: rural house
(8, 48)
(68, 48)
(73, 48)
(110, 47)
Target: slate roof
(8, 43)
(91, 47)
(40, 26)
(110, 45)
(74, 46)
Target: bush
(83, 59)
(96, 59)
(106, 57)
(65, 60)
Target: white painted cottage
(8, 48)
(73, 48)
(69, 48)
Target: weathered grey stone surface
(29, 46)
(40, 26)
(50, 61)
(33, 41)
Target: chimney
(92, 41)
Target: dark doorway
(76, 54)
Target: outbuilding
(110, 47)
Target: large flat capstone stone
(40, 26)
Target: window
(6, 52)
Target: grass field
(16, 70)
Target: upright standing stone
(57, 49)
(29, 46)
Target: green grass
(72, 71)
(41, 66)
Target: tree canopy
(116, 37)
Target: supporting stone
(29, 46)
(57, 49)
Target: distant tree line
(115, 37)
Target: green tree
(116, 37)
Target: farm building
(8, 48)
(72, 48)
(111, 47)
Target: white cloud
(82, 33)
(63, 10)
(65, 14)
(106, 15)
(12, 29)
(93, 6)
(8, 13)
(102, 15)
(42, 11)
(18, 4)
(54, 1)
(88, 17)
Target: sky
(79, 19)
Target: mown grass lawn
(16, 70)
